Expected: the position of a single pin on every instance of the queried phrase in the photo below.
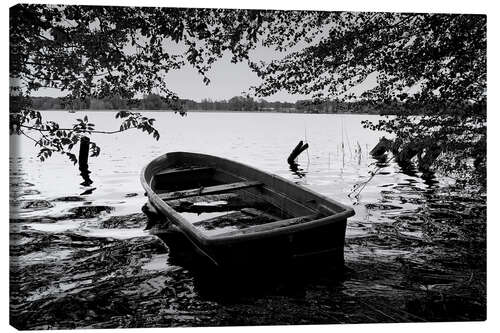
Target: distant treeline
(237, 103)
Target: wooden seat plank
(209, 190)
(179, 171)
(272, 225)
(257, 213)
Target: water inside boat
(214, 201)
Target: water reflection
(430, 179)
(297, 170)
(85, 173)
(88, 191)
(381, 161)
(233, 283)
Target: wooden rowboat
(235, 214)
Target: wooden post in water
(83, 156)
(83, 159)
(296, 152)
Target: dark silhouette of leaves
(433, 65)
(97, 52)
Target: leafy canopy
(98, 52)
(432, 60)
(436, 61)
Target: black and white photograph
(182, 166)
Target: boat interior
(218, 202)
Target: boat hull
(325, 243)
(275, 243)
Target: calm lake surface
(80, 257)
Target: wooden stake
(297, 151)
(83, 159)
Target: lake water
(260, 140)
(405, 246)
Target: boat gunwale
(207, 240)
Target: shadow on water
(429, 179)
(229, 284)
(381, 161)
(408, 168)
(88, 191)
(297, 170)
(85, 173)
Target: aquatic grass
(359, 187)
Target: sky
(228, 80)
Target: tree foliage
(436, 60)
(99, 52)
(432, 60)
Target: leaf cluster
(431, 61)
